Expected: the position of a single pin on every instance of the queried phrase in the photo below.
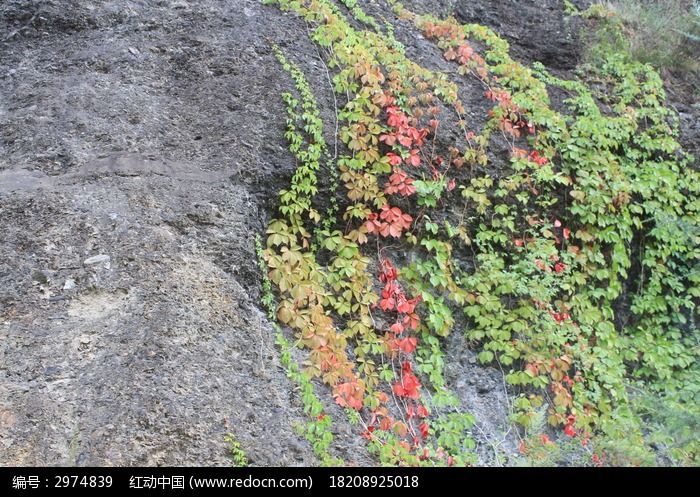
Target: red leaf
(349, 394)
(465, 53)
(397, 328)
(408, 387)
(569, 428)
(414, 158)
(389, 139)
(395, 231)
(403, 306)
(396, 118)
(388, 274)
(399, 182)
(399, 389)
(411, 320)
(407, 188)
(388, 290)
(385, 424)
(418, 135)
(405, 140)
(424, 429)
(387, 304)
(394, 159)
(519, 153)
(538, 159)
(408, 344)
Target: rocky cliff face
(141, 150)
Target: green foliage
(570, 8)
(574, 267)
(664, 33)
(306, 142)
(238, 457)
(671, 419)
(429, 192)
(360, 14)
(318, 430)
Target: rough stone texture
(150, 132)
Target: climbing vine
(572, 265)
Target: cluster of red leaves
(419, 411)
(401, 130)
(391, 221)
(394, 159)
(459, 49)
(399, 182)
(409, 385)
(511, 116)
(349, 394)
(463, 54)
(399, 343)
(554, 264)
(392, 299)
(499, 96)
(537, 158)
(407, 136)
(560, 317)
(569, 426)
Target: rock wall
(141, 150)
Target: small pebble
(96, 259)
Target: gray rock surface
(139, 148)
